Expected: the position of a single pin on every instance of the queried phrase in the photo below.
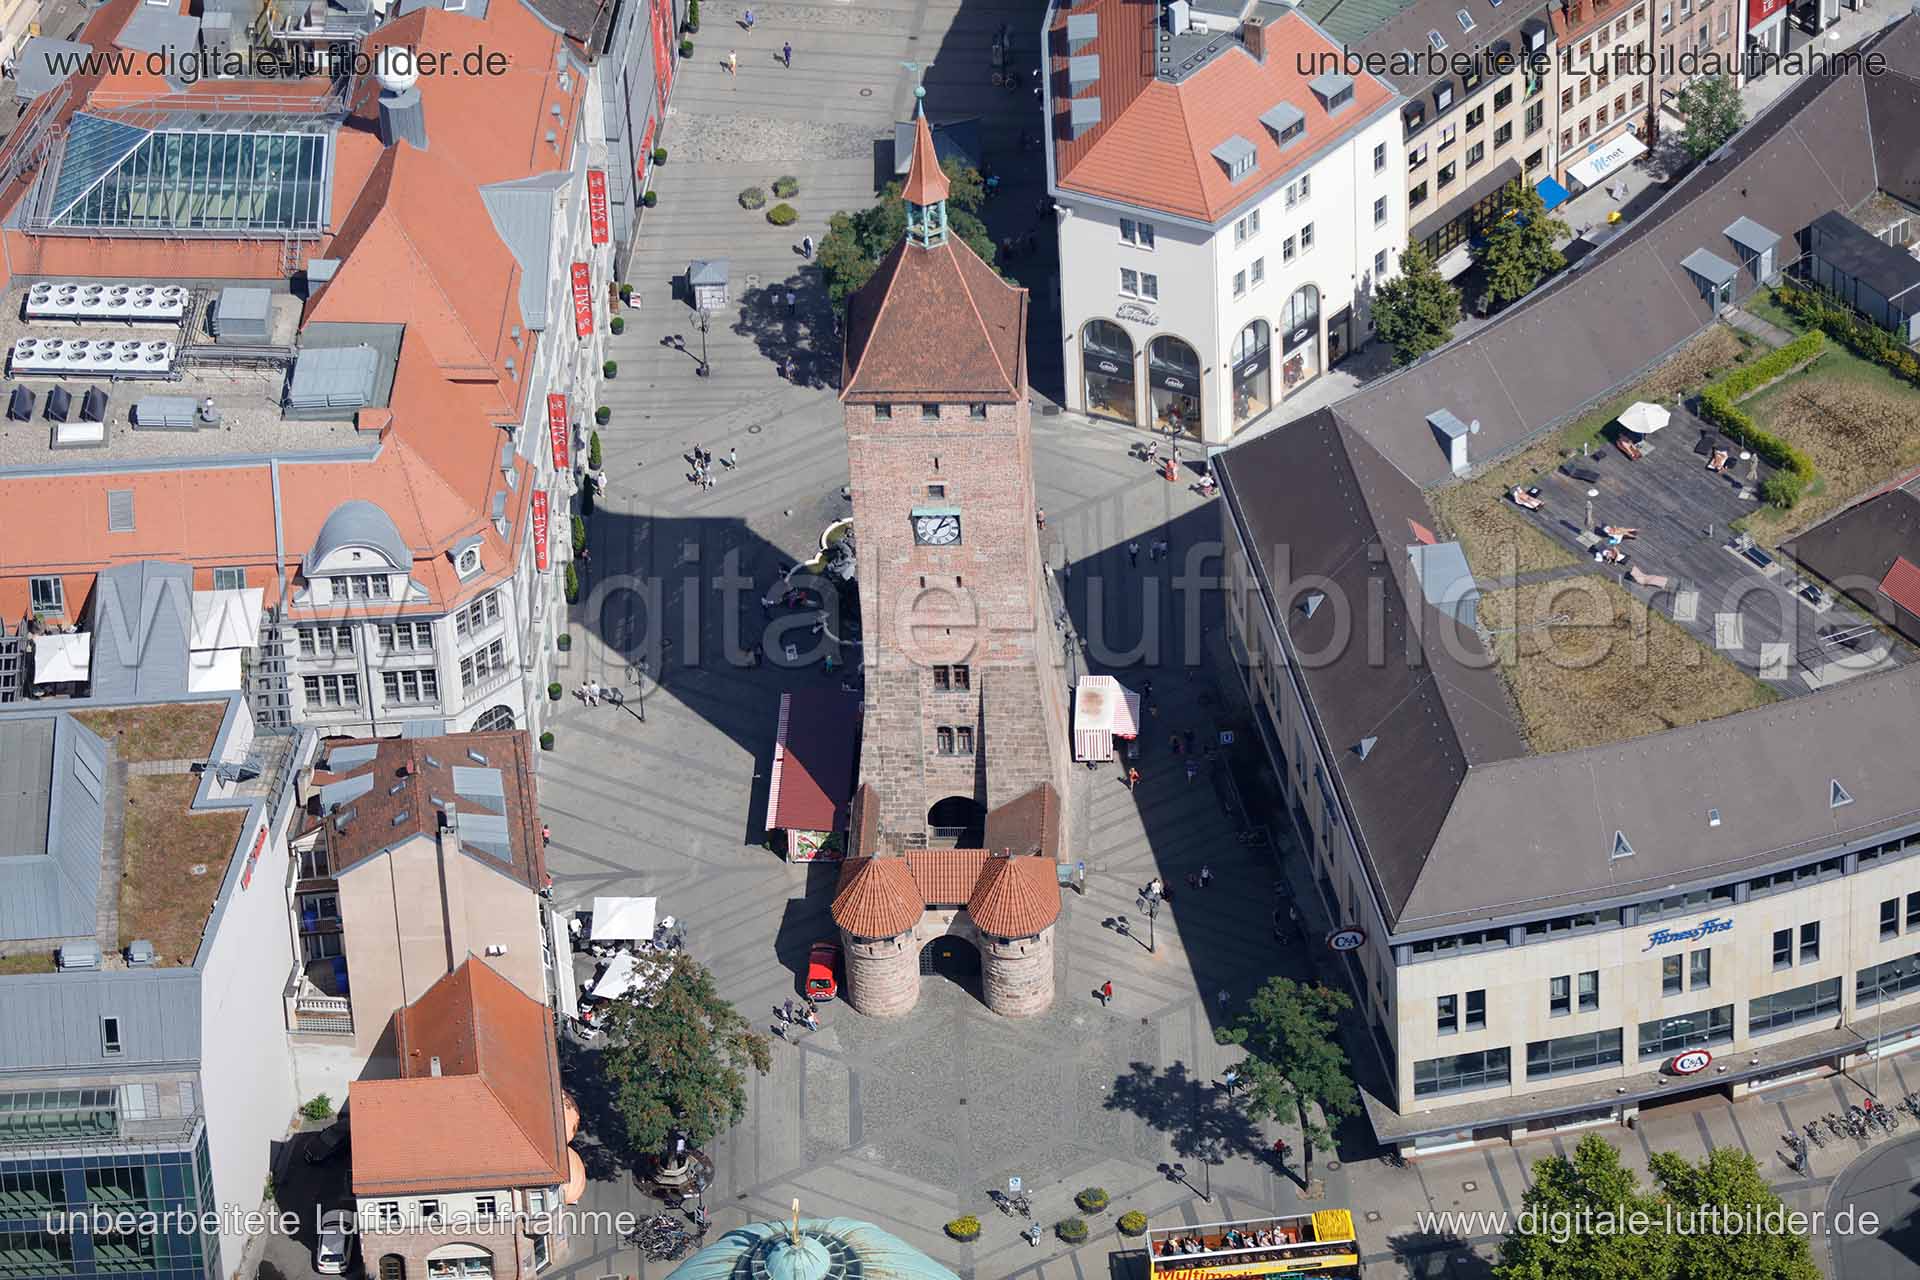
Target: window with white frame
(1139, 284)
(326, 640)
(483, 664)
(1298, 191)
(413, 685)
(1379, 156)
(1379, 211)
(1306, 237)
(1137, 233)
(469, 562)
(362, 586)
(49, 596)
(1258, 272)
(332, 691)
(1287, 249)
(1239, 284)
(229, 579)
(482, 613)
(1246, 228)
(1379, 266)
(406, 637)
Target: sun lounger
(1718, 462)
(1655, 580)
(1627, 447)
(1522, 498)
(1619, 531)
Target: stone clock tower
(966, 709)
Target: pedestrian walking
(1225, 998)
(1133, 554)
(746, 19)
(1231, 1080)
(786, 56)
(811, 1018)
(1040, 517)
(806, 242)
(1133, 779)
(1193, 771)
(1106, 993)
(1156, 887)
(733, 63)
(733, 457)
(1189, 740)
(789, 302)
(1281, 1150)
(1206, 875)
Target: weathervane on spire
(919, 85)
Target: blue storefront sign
(1666, 937)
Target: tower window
(943, 740)
(936, 491)
(963, 741)
(883, 413)
(929, 412)
(977, 412)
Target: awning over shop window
(1598, 165)
(1552, 192)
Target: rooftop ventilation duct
(1082, 73)
(402, 115)
(1085, 114)
(1082, 30)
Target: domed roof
(1016, 897)
(877, 898)
(827, 1249)
(360, 523)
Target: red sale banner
(557, 430)
(597, 204)
(540, 530)
(582, 300)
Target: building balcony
(311, 1010)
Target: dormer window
(1443, 97)
(1334, 90)
(1438, 41)
(468, 562)
(1285, 121)
(1237, 156)
(1466, 20)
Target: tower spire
(925, 190)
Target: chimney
(1253, 34)
(1452, 434)
(433, 1067)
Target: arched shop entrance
(1173, 370)
(952, 957)
(1106, 357)
(1252, 373)
(1300, 340)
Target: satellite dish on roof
(396, 68)
(1473, 428)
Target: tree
(1586, 1218)
(1712, 109)
(1728, 1180)
(1519, 248)
(1416, 310)
(1295, 1070)
(856, 242)
(680, 1064)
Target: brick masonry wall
(883, 975)
(512, 1251)
(1017, 974)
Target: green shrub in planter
(1132, 1223)
(553, 692)
(565, 641)
(659, 155)
(1092, 1199)
(546, 740)
(603, 416)
(617, 325)
(593, 447)
(320, 1107)
(573, 583)
(783, 215)
(1071, 1230)
(579, 535)
(786, 186)
(753, 198)
(626, 292)
(964, 1229)
(610, 369)
(686, 48)
(650, 199)
(693, 15)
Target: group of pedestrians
(703, 465)
(746, 24)
(592, 692)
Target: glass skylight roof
(273, 176)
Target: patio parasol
(1644, 419)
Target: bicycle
(1813, 1133)
(1014, 1206)
(1256, 837)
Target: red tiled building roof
(877, 898)
(816, 750)
(493, 1113)
(1016, 897)
(1902, 585)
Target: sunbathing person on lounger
(1655, 580)
(1610, 555)
(1522, 498)
(1617, 532)
(1718, 462)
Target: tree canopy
(1586, 1217)
(681, 1063)
(855, 242)
(1519, 248)
(1713, 111)
(1416, 310)
(1295, 1070)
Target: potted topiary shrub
(650, 199)
(573, 583)
(626, 292)
(1071, 1230)
(753, 198)
(964, 1229)
(546, 740)
(659, 155)
(553, 691)
(603, 416)
(579, 535)
(686, 48)
(564, 642)
(1092, 1199)
(610, 369)
(593, 450)
(693, 15)
(1132, 1223)
(617, 325)
(782, 215)
(786, 186)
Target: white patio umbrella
(1644, 419)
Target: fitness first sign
(1706, 928)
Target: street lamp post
(1178, 1172)
(1150, 905)
(704, 368)
(1591, 495)
(640, 687)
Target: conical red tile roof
(926, 181)
(1016, 897)
(877, 898)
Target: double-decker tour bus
(1320, 1245)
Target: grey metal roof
(707, 271)
(1233, 151)
(142, 621)
(345, 790)
(522, 212)
(1711, 267)
(52, 816)
(1085, 113)
(321, 270)
(1628, 304)
(351, 756)
(240, 302)
(334, 378)
(1840, 242)
(422, 728)
(53, 1020)
(1449, 426)
(482, 785)
(1282, 117)
(359, 523)
(36, 69)
(488, 833)
(1446, 582)
(1082, 30)
(153, 28)
(1328, 83)
(1083, 69)
(1750, 235)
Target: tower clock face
(936, 531)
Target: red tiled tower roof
(926, 181)
(877, 898)
(1017, 897)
